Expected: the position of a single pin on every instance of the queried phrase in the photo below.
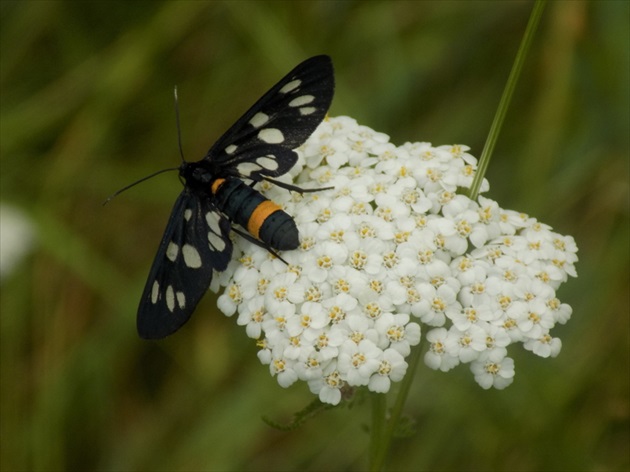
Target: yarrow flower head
(392, 246)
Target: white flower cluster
(392, 244)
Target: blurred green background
(87, 107)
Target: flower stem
(381, 440)
(499, 117)
(379, 410)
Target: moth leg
(295, 188)
(258, 243)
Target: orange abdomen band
(259, 215)
(215, 185)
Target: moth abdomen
(262, 218)
(280, 232)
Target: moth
(219, 196)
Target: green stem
(499, 117)
(382, 442)
(379, 410)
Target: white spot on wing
(170, 298)
(216, 242)
(271, 135)
(181, 299)
(213, 222)
(267, 163)
(259, 119)
(230, 149)
(192, 259)
(303, 100)
(155, 292)
(246, 168)
(171, 251)
(187, 214)
(307, 110)
(291, 86)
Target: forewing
(261, 142)
(194, 243)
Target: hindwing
(194, 244)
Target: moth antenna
(179, 130)
(127, 187)
(181, 153)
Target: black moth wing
(261, 142)
(194, 243)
